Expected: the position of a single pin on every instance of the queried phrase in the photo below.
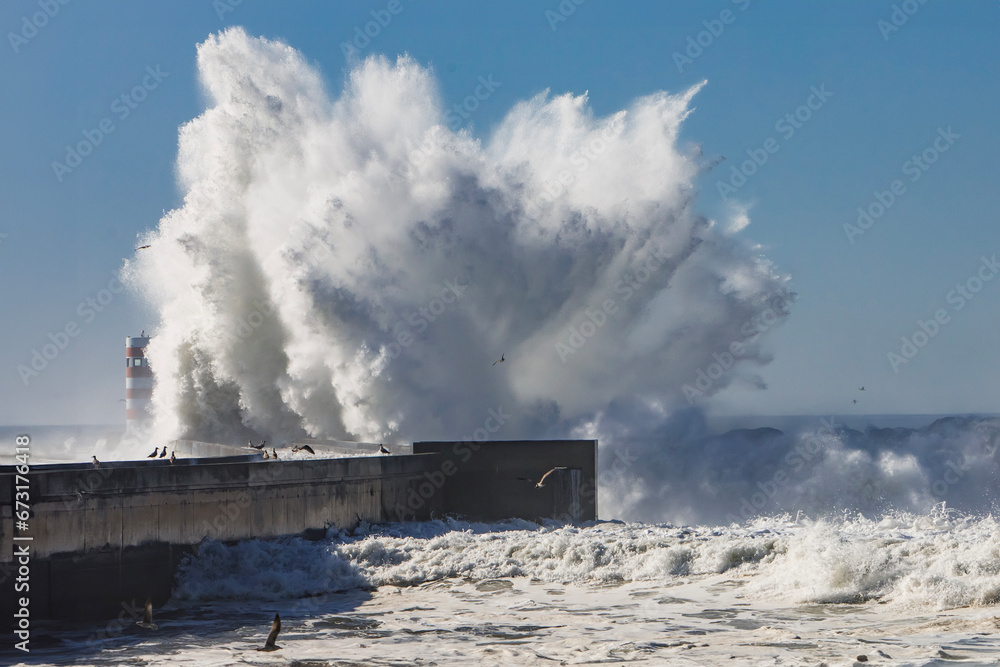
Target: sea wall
(102, 539)
(103, 536)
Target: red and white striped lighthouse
(138, 381)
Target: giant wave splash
(350, 267)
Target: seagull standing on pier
(382, 449)
(155, 452)
(163, 453)
(94, 460)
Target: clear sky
(887, 82)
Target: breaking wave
(350, 267)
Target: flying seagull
(500, 360)
(260, 446)
(164, 453)
(173, 457)
(142, 247)
(303, 447)
(541, 482)
(155, 452)
(382, 449)
(862, 389)
(147, 617)
(854, 402)
(122, 400)
(95, 461)
(269, 645)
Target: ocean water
(902, 590)
(803, 587)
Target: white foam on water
(937, 561)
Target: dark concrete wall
(480, 480)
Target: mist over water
(678, 470)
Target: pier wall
(103, 539)
(103, 536)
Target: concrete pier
(105, 538)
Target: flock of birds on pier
(295, 449)
(173, 455)
(273, 455)
(157, 454)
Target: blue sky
(887, 95)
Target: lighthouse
(138, 382)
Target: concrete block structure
(484, 481)
(102, 538)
